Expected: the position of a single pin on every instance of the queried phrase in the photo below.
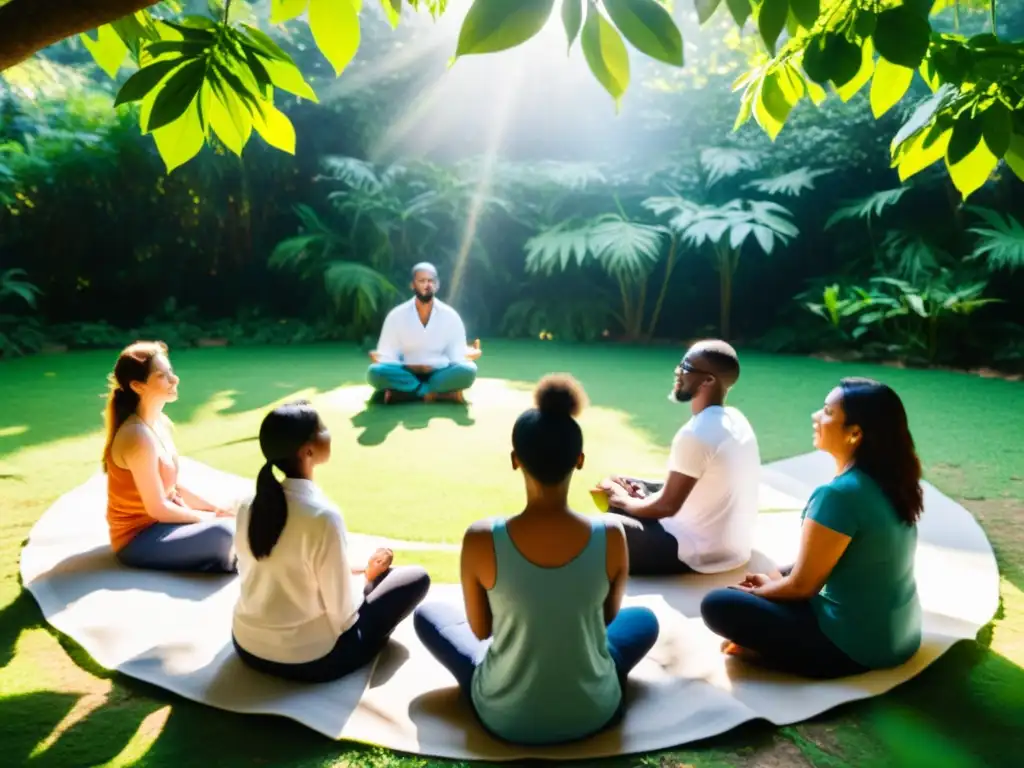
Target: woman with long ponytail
(301, 614)
(155, 522)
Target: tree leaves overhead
(706, 9)
(888, 85)
(606, 54)
(901, 35)
(335, 28)
(771, 20)
(649, 28)
(572, 20)
(497, 25)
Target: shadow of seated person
(378, 423)
(422, 354)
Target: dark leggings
(382, 610)
(784, 635)
(444, 631)
(653, 551)
(206, 547)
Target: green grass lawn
(424, 472)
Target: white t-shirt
(439, 343)
(296, 602)
(715, 526)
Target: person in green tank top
(850, 603)
(541, 647)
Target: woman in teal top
(849, 604)
(542, 648)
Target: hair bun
(559, 394)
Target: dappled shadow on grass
(62, 396)
(377, 420)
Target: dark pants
(784, 634)
(206, 547)
(444, 631)
(653, 551)
(382, 610)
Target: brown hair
(135, 363)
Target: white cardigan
(297, 601)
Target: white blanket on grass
(173, 630)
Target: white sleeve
(689, 455)
(334, 574)
(455, 348)
(388, 347)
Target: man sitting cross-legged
(422, 352)
(702, 517)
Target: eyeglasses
(685, 367)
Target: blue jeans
(206, 547)
(396, 377)
(785, 635)
(444, 631)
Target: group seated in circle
(542, 645)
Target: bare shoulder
(481, 529)
(614, 529)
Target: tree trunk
(725, 271)
(28, 26)
(669, 266)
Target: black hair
(547, 438)
(283, 432)
(886, 451)
(721, 359)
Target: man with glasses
(702, 517)
(422, 352)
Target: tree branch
(28, 26)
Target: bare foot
(448, 397)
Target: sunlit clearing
(19, 429)
(449, 109)
(84, 707)
(142, 741)
(1008, 633)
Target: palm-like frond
(12, 284)
(352, 171)
(912, 256)
(1001, 244)
(792, 183)
(306, 252)
(555, 247)
(867, 207)
(724, 162)
(369, 289)
(738, 220)
(566, 175)
(626, 248)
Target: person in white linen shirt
(301, 614)
(702, 517)
(422, 352)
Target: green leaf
(335, 28)
(180, 141)
(393, 11)
(195, 28)
(923, 115)
(997, 128)
(649, 27)
(816, 64)
(187, 48)
(177, 94)
(966, 135)
(275, 128)
(706, 9)
(286, 10)
(771, 107)
(740, 10)
(971, 173)
(145, 80)
(805, 11)
(263, 43)
(771, 18)
(902, 36)
(572, 19)
(108, 49)
(227, 117)
(1014, 156)
(606, 54)
(287, 77)
(497, 25)
(843, 58)
(867, 67)
(918, 153)
(866, 22)
(889, 84)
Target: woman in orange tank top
(154, 522)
